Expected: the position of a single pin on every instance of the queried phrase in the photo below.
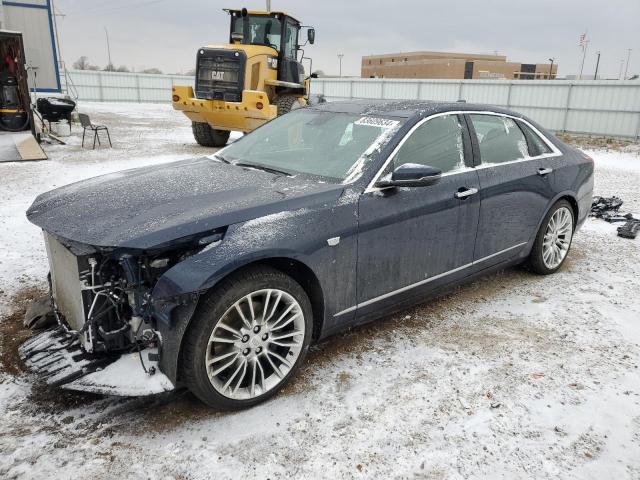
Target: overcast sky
(166, 33)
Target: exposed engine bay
(101, 300)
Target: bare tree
(122, 68)
(109, 68)
(82, 63)
(152, 70)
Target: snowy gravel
(513, 376)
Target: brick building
(451, 65)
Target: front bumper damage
(57, 357)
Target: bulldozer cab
(276, 30)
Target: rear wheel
(209, 137)
(553, 240)
(247, 339)
(286, 103)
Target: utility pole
(595, 75)
(584, 54)
(268, 5)
(340, 55)
(109, 65)
(551, 68)
(621, 65)
(626, 70)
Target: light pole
(268, 5)
(584, 54)
(340, 55)
(621, 65)
(551, 68)
(595, 75)
(626, 69)
(110, 65)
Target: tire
(246, 351)
(542, 259)
(286, 103)
(209, 137)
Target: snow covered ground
(514, 376)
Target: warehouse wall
(591, 107)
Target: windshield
(326, 144)
(262, 30)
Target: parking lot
(512, 375)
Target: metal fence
(100, 86)
(609, 108)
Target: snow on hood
(146, 207)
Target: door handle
(465, 192)
(544, 171)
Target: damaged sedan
(217, 273)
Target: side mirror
(411, 175)
(311, 35)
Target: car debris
(39, 314)
(608, 209)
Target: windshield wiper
(263, 167)
(221, 158)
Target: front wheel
(553, 240)
(247, 339)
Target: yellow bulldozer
(241, 85)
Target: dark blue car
(217, 273)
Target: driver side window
(437, 143)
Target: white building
(35, 20)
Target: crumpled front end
(107, 339)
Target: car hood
(150, 206)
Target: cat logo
(217, 75)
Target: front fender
(301, 235)
(267, 237)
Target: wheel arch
(296, 269)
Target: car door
(411, 238)
(516, 185)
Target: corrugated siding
(124, 87)
(591, 107)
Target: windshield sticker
(376, 122)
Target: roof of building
(429, 54)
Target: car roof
(406, 108)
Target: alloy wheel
(255, 344)
(557, 238)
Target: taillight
(176, 98)
(259, 105)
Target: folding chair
(86, 124)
